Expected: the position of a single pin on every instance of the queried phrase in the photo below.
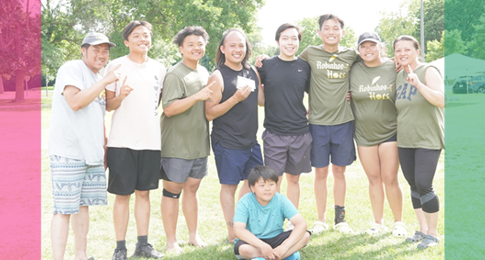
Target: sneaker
(120, 254)
(147, 251)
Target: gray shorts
(287, 153)
(178, 170)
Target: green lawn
(329, 245)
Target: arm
(181, 105)
(260, 89)
(113, 101)
(296, 235)
(105, 147)
(432, 89)
(243, 234)
(213, 107)
(77, 99)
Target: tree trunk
(1, 85)
(19, 85)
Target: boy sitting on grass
(259, 217)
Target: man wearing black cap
(76, 143)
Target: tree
(396, 23)
(436, 50)
(69, 21)
(453, 42)
(434, 21)
(475, 47)
(19, 43)
(258, 47)
(463, 15)
(309, 27)
(349, 40)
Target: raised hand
(205, 93)
(113, 75)
(125, 90)
(412, 77)
(259, 60)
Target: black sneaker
(120, 254)
(147, 251)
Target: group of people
(394, 117)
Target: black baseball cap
(369, 36)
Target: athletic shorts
(335, 142)
(392, 139)
(131, 170)
(273, 242)
(234, 165)
(287, 153)
(76, 184)
(178, 170)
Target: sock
(142, 240)
(339, 214)
(121, 244)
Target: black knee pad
(168, 194)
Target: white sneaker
(289, 226)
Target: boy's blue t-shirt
(264, 221)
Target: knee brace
(168, 194)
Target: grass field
(329, 245)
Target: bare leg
(190, 207)
(121, 215)
(170, 213)
(142, 211)
(389, 160)
(244, 190)
(432, 220)
(299, 245)
(369, 157)
(59, 234)
(340, 185)
(423, 225)
(80, 226)
(278, 185)
(321, 175)
(227, 203)
(293, 189)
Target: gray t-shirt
(373, 96)
(420, 124)
(185, 135)
(329, 84)
(77, 134)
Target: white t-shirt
(135, 123)
(77, 134)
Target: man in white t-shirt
(134, 141)
(76, 141)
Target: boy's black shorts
(273, 242)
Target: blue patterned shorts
(75, 184)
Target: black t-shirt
(284, 85)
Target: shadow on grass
(221, 251)
(356, 246)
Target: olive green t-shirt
(419, 123)
(329, 84)
(186, 135)
(372, 98)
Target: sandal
(343, 227)
(428, 241)
(319, 227)
(376, 229)
(399, 229)
(418, 236)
